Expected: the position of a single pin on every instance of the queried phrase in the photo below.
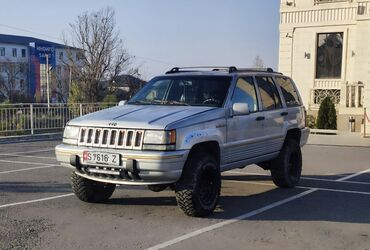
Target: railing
(37, 118)
(355, 95)
(329, 1)
(327, 84)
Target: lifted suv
(183, 129)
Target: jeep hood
(140, 116)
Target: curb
(337, 145)
(31, 138)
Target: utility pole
(47, 80)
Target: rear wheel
(198, 190)
(287, 167)
(91, 191)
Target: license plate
(93, 157)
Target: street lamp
(47, 80)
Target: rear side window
(245, 92)
(289, 91)
(269, 93)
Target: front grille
(111, 138)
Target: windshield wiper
(159, 102)
(176, 103)
(139, 102)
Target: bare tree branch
(102, 56)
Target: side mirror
(122, 103)
(240, 108)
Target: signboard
(45, 50)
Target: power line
(45, 35)
(156, 60)
(29, 31)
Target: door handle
(260, 118)
(284, 113)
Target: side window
(269, 93)
(245, 92)
(289, 91)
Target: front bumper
(305, 132)
(150, 167)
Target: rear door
(244, 130)
(274, 113)
(292, 101)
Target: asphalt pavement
(330, 209)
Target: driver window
(158, 91)
(245, 92)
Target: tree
(13, 72)
(101, 56)
(327, 117)
(258, 63)
(75, 94)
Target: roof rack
(229, 69)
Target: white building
(325, 47)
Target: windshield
(184, 90)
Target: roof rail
(229, 69)
(270, 70)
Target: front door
(244, 131)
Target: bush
(327, 117)
(311, 121)
(109, 101)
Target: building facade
(325, 47)
(25, 63)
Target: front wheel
(91, 191)
(287, 167)
(198, 189)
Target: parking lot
(330, 209)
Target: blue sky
(165, 33)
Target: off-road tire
(91, 191)
(287, 167)
(198, 190)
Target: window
(289, 92)
(21, 68)
(60, 55)
(329, 55)
(21, 83)
(14, 52)
(245, 92)
(2, 68)
(59, 70)
(2, 51)
(23, 52)
(79, 56)
(269, 93)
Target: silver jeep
(183, 129)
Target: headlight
(71, 132)
(159, 140)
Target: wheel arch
(293, 134)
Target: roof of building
(25, 40)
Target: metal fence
(37, 118)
